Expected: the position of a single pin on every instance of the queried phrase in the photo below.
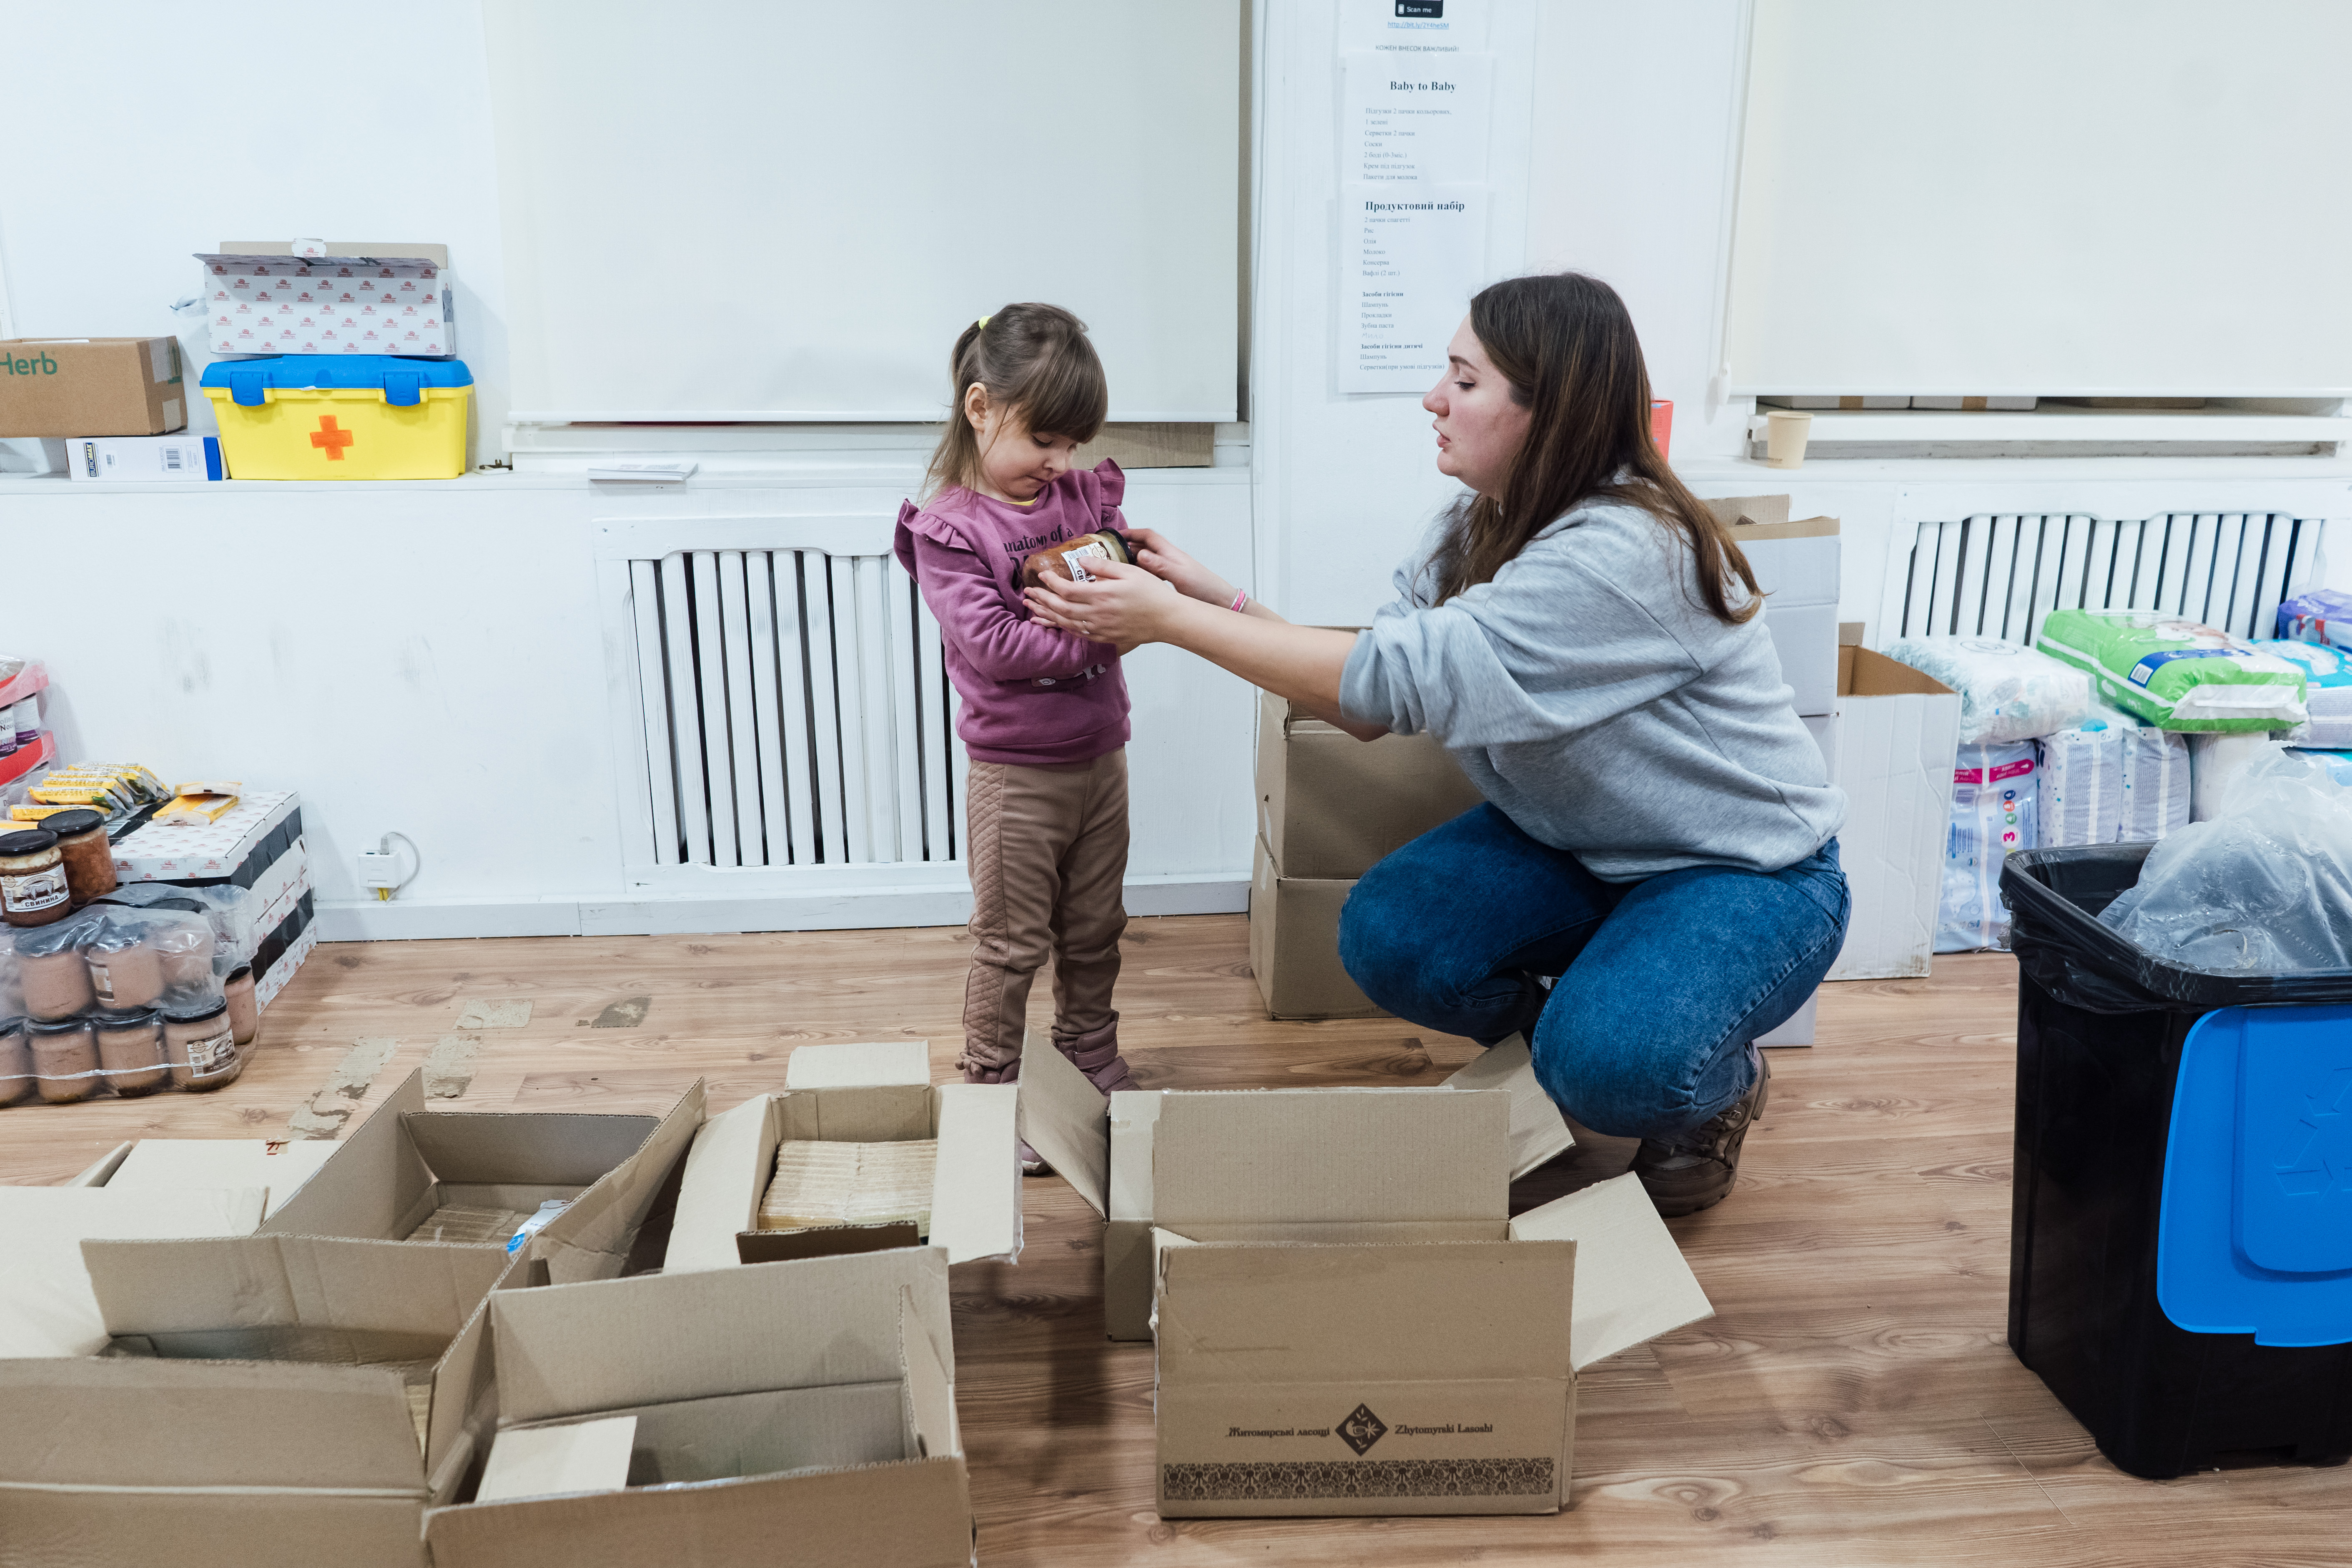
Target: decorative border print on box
(335, 304)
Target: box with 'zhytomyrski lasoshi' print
(342, 417)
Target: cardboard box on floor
(91, 386)
(302, 1391)
(783, 1413)
(1349, 1322)
(1893, 744)
(404, 1163)
(1797, 565)
(1329, 807)
(1294, 944)
(879, 1093)
(1103, 1148)
(47, 1305)
(279, 1165)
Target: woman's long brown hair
(1566, 345)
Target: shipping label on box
(75, 387)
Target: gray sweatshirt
(1591, 697)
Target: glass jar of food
(125, 970)
(64, 1059)
(244, 1007)
(88, 855)
(184, 942)
(130, 1050)
(33, 890)
(52, 971)
(15, 1062)
(199, 1046)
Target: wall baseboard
(622, 915)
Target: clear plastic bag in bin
(2265, 886)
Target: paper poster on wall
(1410, 259)
(1408, 117)
(1414, 26)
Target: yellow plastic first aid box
(342, 417)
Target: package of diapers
(2326, 691)
(2079, 787)
(2177, 674)
(1993, 801)
(2158, 781)
(2008, 691)
(2321, 616)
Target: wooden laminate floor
(1852, 1402)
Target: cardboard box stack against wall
(1348, 1323)
(327, 1372)
(1329, 807)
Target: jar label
(102, 982)
(212, 1054)
(33, 891)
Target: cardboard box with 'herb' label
(91, 386)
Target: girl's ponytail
(1030, 359)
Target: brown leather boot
(1696, 1170)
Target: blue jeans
(1662, 983)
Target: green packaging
(2177, 674)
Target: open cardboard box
(1348, 1321)
(1329, 807)
(1104, 1148)
(858, 1094)
(279, 1165)
(404, 1163)
(308, 1392)
(1892, 746)
(47, 1304)
(796, 1413)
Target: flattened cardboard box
(303, 1391)
(1330, 807)
(785, 1413)
(1349, 1323)
(1103, 1149)
(857, 1094)
(388, 1178)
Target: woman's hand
(1125, 605)
(1192, 579)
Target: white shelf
(2061, 422)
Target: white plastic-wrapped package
(2326, 692)
(2008, 691)
(2214, 763)
(2079, 787)
(2157, 778)
(1992, 815)
(2265, 886)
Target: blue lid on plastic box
(2254, 1233)
(402, 380)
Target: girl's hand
(1126, 605)
(1192, 579)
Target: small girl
(1044, 711)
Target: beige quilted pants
(1048, 858)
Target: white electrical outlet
(378, 870)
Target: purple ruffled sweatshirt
(1033, 694)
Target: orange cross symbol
(332, 438)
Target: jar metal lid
(55, 1026)
(212, 1007)
(66, 824)
(32, 841)
(126, 1019)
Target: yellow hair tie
(982, 322)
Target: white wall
(151, 131)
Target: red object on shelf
(24, 759)
(33, 676)
(1662, 423)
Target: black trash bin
(2136, 1188)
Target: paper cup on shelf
(1784, 438)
